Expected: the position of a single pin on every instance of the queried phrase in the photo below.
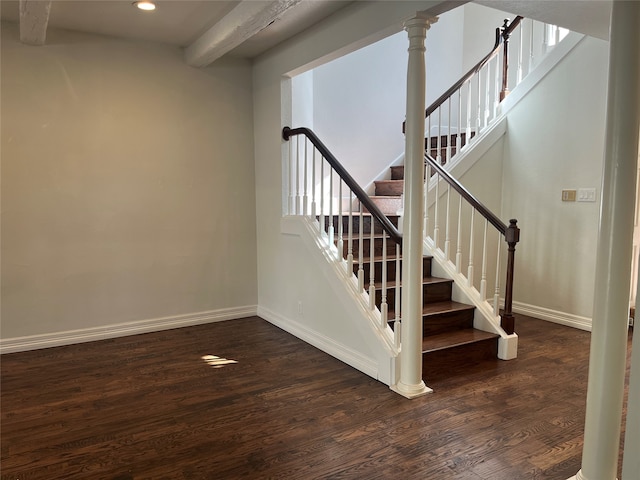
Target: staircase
(450, 343)
(471, 245)
(388, 193)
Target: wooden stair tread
(436, 308)
(455, 338)
(390, 181)
(443, 307)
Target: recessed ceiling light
(145, 5)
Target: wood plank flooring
(149, 407)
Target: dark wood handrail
(501, 35)
(373, 209)
(468, 196)
(511, 235)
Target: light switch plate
(586, 194)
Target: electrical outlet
(568, 195)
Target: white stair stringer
(383, 361)
(483, 318)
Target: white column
(410, 384)
(607, 358)
(631, 460)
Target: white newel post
(607, 359)
(410, 384)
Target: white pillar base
(508, 347)
(411, 391)
(579, 476)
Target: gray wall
(127, 184)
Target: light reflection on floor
(217, 362)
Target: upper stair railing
(456, 118)
(467, 237)
(452, 123)
(348, 221)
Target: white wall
(127, 184)
(359, 100)
(302, 92)
(359, 106)
(555, 140)
(480, 24)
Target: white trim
(46, 340)
(555, 316)
(328, 345)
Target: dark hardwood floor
(149, 407)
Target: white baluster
(459, 239)
(313, 186)
(520, 56)
(439, 141)
(305, 197)
(447, 236)
(298, 175)
(323, 224)
(384, 308)
(331, 219)
(468, 129)
(350, 244)
(436, 226)
(496, 87)
(449, 135)
(398, 277)
(483, 279)
(458, 136)
(531, 46)
(292, 199)
(496, 294)
(470, 269)
(487, 95)
(428, 138)
(360, 252)
(479, 106)
(372, 270)
(397, 333)
(425, 214)
(545, 38)
(340, 225)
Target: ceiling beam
(34, 17)
(243, 22)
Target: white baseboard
(555, 316)
(351, 357)
(46, 340)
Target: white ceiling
(174, 22)
(590, 17)
(182, 22)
